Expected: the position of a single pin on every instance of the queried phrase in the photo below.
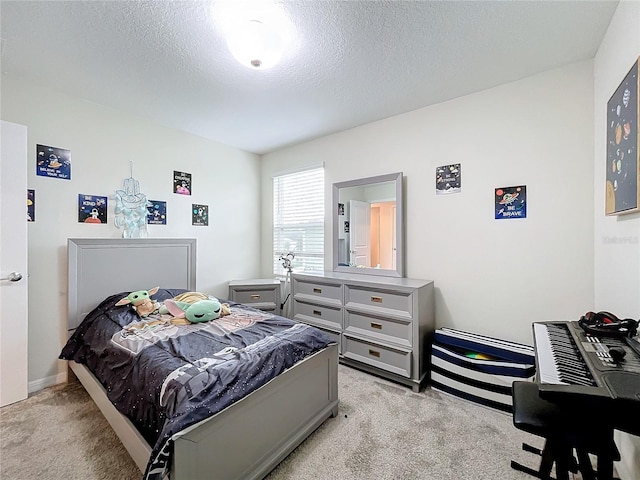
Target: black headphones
(605, 324)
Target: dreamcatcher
(131, 209)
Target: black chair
(564, 429)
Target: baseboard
(47, 382)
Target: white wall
(616, 238)
(492, 276)
(102, 142)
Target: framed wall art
(92, 209)
(31, 205)
(510, 202)
(623, 175)
(200, 215)
(157, 212)
(448, 179)
(53, 162)
(181, 183)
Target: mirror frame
(392, 177)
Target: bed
(244, 440)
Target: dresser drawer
(370, 299)
(393, 360)
(254, 295)
(327, 293)
(381, 329)
(263, 294)
(318, 315)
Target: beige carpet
(59, 433)
(383, 431)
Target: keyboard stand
(563, 434)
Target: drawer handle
(317, 312)
(317, 290)
(255, 297)
(376, 325)
(376, 299)
(374, 353)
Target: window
(298, 220)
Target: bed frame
(244, 441)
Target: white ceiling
(354, 62)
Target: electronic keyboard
(600, 375)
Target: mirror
(368, 233)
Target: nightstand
(263, 293)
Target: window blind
(298, 220)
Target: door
(393, 238)
(13, 263)
(359, 236)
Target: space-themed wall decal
(92, 209)
(181, 183)
(199, 215)
(623, 173)
(31, 205)
(157, 213)
(511, 202)
(448, 179)
(53, 162)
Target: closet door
(13, 263)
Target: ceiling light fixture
(257, 32)
(256, 44)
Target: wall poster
(623, 174)
(31, 205)
(181, 183)
(53, 162)
(200, 215)
(92, 209)
(157, 213)
(448, 179)
(511, 202)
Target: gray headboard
(99, 267)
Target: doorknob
(13, 277)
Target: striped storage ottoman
(479, 368)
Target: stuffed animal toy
(193, 297)
(200, 311)
(141, 302)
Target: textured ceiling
(354, 62)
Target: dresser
(263, 294)
(383, 325)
